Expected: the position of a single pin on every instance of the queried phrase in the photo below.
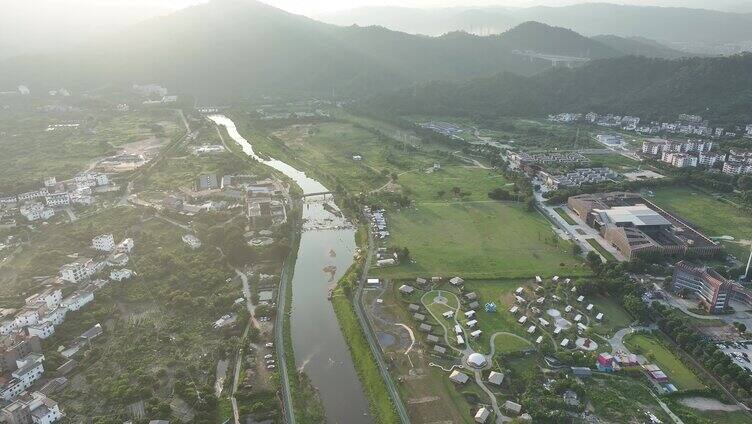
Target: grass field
(565, 216)
(478, 240)
(616, 162)
(656, 351)
(472, 184)
(605, 253)
(713, 216)
(615, 317)
(328, 149)
(501, 293)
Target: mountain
(434, 21)
(693, 30)
(638, 46)
(718, 88)
(538, 37)
(239, 46)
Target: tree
(636, 307)
(594, 261)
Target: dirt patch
(295, 134)
(708, 404)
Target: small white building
(121, 274)
(482, 415)
(42, 329)
(103, 243)
(125, 246)
(77, 300)
(55, 316)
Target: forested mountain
(718, 88)
(239, 46)
(639, 46)
(695, 30)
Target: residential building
(36, 408)
(42, 329)
(710, 159)
(26, 318)
(77, 300)
(50, 182)
(712, 289)
(30, 370)
(679, 160)
(29, 195)
(21, 347)
(57, 199)
(125, 246)
(75, 272)
(55, 316)
(120, 274)
(50, 297)
(35, 211)
(104, 242)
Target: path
(500, 418)
(279, 344)
(441, 319)
(617, 341)
(371, 337)
(71, 215)
(666, 409)
(412, 336)
(493, 339)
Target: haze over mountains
(236, 46)
(694, 30)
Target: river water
(326, 250)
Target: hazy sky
(35, 26)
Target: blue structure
(490, 307)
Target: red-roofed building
(712, 289)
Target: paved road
(371, 338)
(280, 345)
(617, 341)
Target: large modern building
(636, 227)
(712, 289)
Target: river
(327, 245)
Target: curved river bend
(326, 251)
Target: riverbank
(381, 406)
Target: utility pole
(749, 262)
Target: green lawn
(715, 217)
(605, 253)
(478, 240)
(501, 293)
(614, 161)
(565, 216)
(615, 317)
(327, 149)
(441, 185)
(508, 344)
(656, 351)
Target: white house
(120, 274)
(125, 246)
(26, 318)
(55, 316)
(77, 300)
(75, 272)
(50, 182)
(23, 377)
(42, 330)
(51, 298)
(104, 242)
(37, 409)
